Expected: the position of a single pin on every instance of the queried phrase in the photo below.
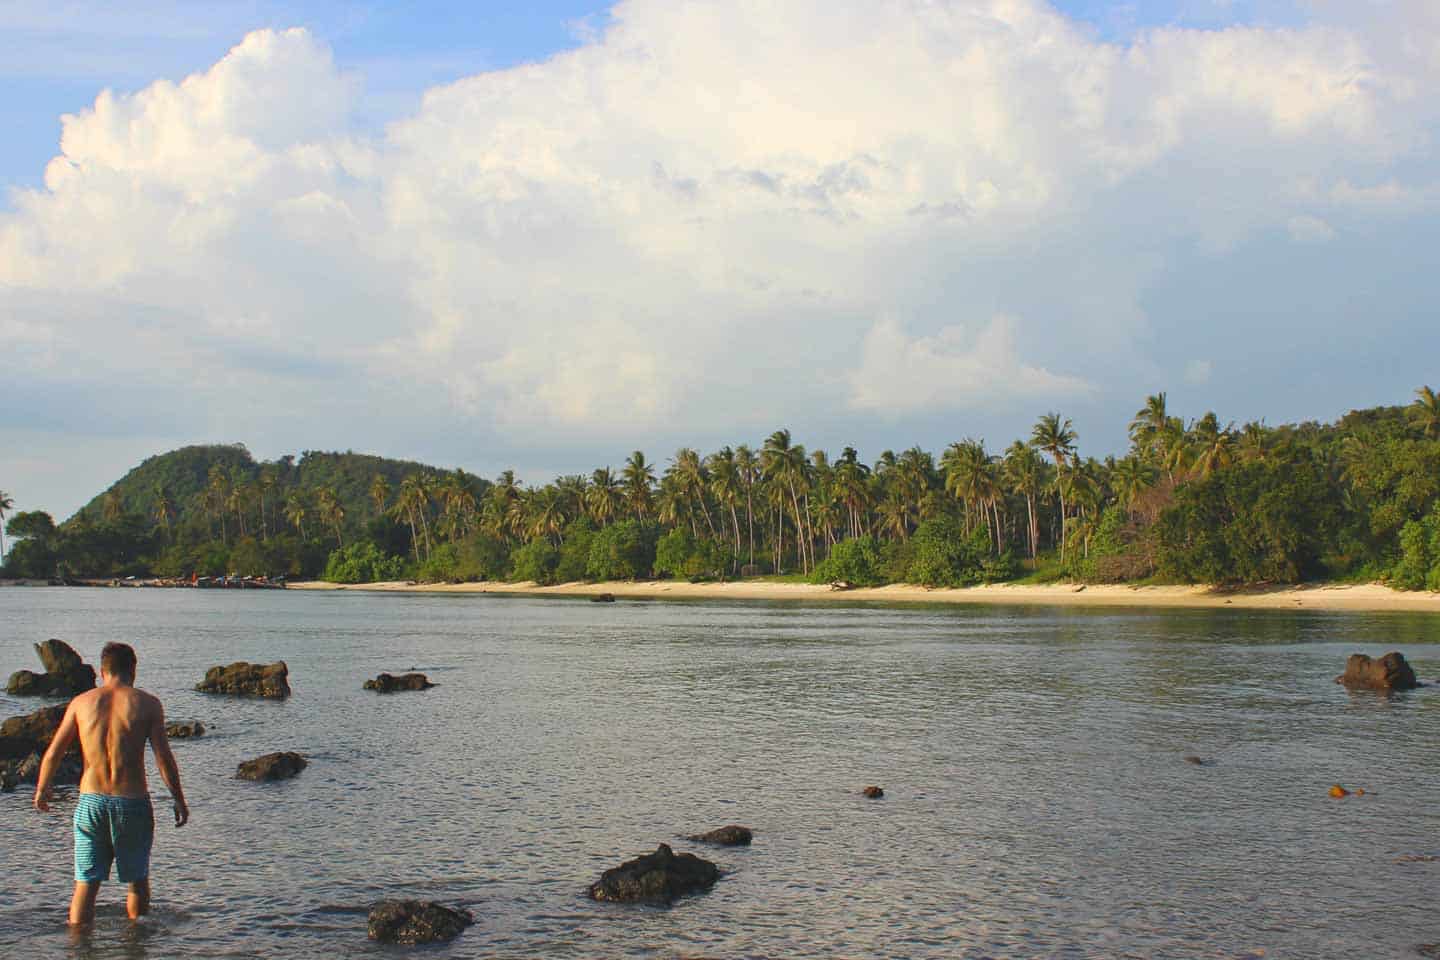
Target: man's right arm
(165, 761)
(60, 744)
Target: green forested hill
(186, 481)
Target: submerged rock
(658, 877)
(248, 680)
(179, 730)
(272, 766)
(728, 836)
(874, 793)
(603, 598)
(1389, 672)
(416, 921)
(386, 683)
(65, 673)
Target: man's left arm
(60, 745)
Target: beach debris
(272, 766)
(873, 792)
(841, 585)
(65, 673)
(387, 683)
(658, 877)
(180, 730)
(413, 922)
(1390, 672)
(732, 835)
(248, 680)
(603, 598)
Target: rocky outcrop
(179, 730)
(386, 683)
(658, 877)
(416, 921)
(1389, 672)
(65, 673)
(272, 766)
(248, 680)
(30, 733)
(24, 739)
(728, 836)
(874, 793)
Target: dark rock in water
(658, 877)
(30, 733)
(874, 793)
(272, 766)
(248, 680)
(1194, 761)
(416, 921)
(603, 598)
(729, 836)
(1390, 672)
(178, 730)
(65, 673)
(385, 683)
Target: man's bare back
(113, 819)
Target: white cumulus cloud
(691, 221)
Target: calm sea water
(1036, 800)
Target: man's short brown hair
(118, 660)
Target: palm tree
(748, 469)
(217, 494)
(1023, 473)
(1254, 441)
(965, 466)
(852, 488)
(785, 462)
(330, 511)
(379, 492)
(691, 482)
(413, 503)
(163, 508)
(1148, 423)
(295, 511)
(547, 515)
(638, 479)
(725, 486)
(6, 503)
(604, 498)
(1214, 447)
(1424, 412)
(1132, 477)
(1057, 438)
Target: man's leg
(82, 904)
(137, 901)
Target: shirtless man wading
(113, 818)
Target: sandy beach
(1356, 597)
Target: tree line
(1190, 501)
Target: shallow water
(1036, 800)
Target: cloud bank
(714, 219)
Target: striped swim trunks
(113, 829)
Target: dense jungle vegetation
(1203, 502)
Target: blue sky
(541, 239)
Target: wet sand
(1353, 597)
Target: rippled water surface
(1036, 800)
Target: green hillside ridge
(1193, 501)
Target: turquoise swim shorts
(113, 829)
